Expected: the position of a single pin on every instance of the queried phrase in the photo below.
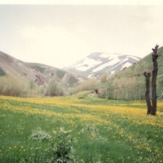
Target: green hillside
(50, 73)
(129, 83)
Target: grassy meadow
(80, 130)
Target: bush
(10, 86)
(62, 148)
(104, 77)
(54, 89)
(72, 81)
(60, 73)
(2, 72)
(59, 147)
(40, 135)
(90, 84)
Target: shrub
(2, 72)
(10, 86)
(62, 150)
(38, 68)
(72, 81)
(60, 73)
(104, 77)
(40, 135)
(54, 89)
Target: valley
(81, 81)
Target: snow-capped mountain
(97, 63)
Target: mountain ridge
(40, 74)
(96, 63)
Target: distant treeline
(129, 84)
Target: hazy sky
(59, 35)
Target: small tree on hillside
(104, 77)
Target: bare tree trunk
(154, 78)
(147, 93)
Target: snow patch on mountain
(98, 63)
(111, 62)
(128, 64)
(108, 55)
(100, 67)
(87, 64)
(136, 58)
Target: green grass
(105, 136)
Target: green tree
(54, 89)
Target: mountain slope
(97, 63)
(40, 74)
(130, 82)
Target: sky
(61, 33)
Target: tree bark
(147, 93)
(154, 78)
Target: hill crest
(39, 73)
(97, 63)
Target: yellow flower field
(137, 115)
(99, 121)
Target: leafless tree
(147, 93)
(152, 108)
(154, 78)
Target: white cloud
(58, 44)
(44, 33)
(60, 35)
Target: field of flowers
(72, 129)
